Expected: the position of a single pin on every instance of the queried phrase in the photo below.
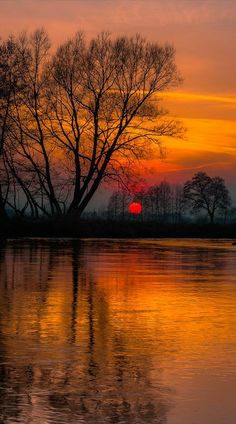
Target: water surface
(118, 331)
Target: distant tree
(118, 204)
(230, 215)
(164, 202)
(205, 193)
(177, 203)
(152, 201)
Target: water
(118, 331)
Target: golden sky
(204, 34)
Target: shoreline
(18, 228)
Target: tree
(118, 204)
(152, 201)
(205, 193)
(163, 202)
(86, 114)
(10, 76)
(177, 203)
(29, 152)
(101, 104)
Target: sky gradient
(204, 34)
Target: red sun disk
(135, 208)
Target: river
(117, 331)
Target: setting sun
(135, 208)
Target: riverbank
(112, 229)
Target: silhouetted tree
(101, 104)
(118, 204)
(85, 115)
(151, 201)
(11, 69)
(163, 202)
(178, 205)
(100, 101)
(205, 193)
(30, 155)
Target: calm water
(118, 331)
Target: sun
(135, 208)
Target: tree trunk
(211, 217)
(3, 214)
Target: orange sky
(204, 35)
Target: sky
(204, 35)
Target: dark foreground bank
(16, 227)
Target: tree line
(78, 115)
(164, 202)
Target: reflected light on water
(118, 331)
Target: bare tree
(10, 85)
(178, 203)
(28, 155)
(104, 106)
(164, 202)
(85, 115)
(118, 204)
(152, 201)
(205, 193)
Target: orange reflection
(115, 327)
